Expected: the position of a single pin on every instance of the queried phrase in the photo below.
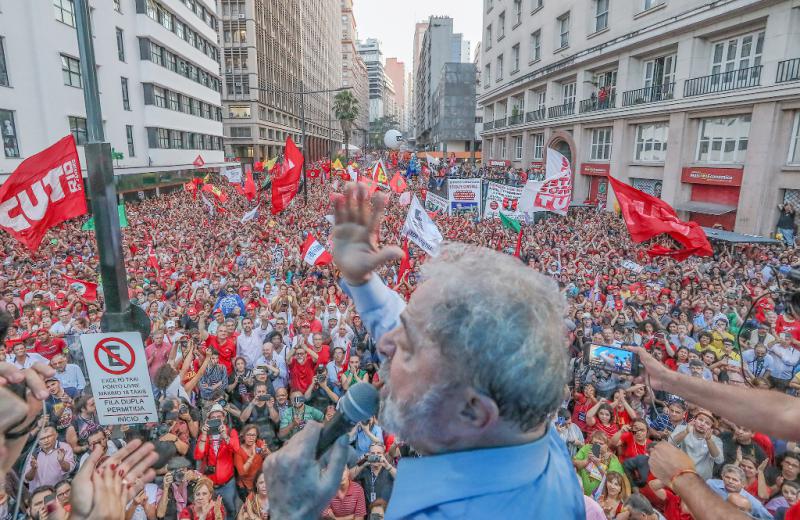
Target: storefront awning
(707, 208)
(737, 238)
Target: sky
(392, 22)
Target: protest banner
(434, 202)
(500, 197)
(464, 196)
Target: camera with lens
(178, 475)
(374, 457)
(214, 425)
(262, 398)
(320, 377)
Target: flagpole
(118, 315)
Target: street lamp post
(118, 315)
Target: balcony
(488, 125)
(565, 109)
(595, 104)
(515, 120)
(500, 123)
(536, 115)
(788, 70)
(723, 82)
(652, 94)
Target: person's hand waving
(355, 236)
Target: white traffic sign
(123, 393)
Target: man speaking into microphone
(473, 367)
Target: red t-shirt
(324, 355)
(301, 376)
(56, 346)
(672, 509)
(220, 457)
(582, 405)
(227, 351)
(629, 448)
(792, 327)
(609, 430)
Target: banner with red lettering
(554, 193)
(45, 189)
(286, 182)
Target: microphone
(358, 404)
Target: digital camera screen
(613, 359)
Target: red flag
(371, 184)
(152, 259)
(284, 185)
(398, 183)
(405, 264)
(86, 290)
(45, 189)
(647, 216)
(199, 162)
(519, 243)
(313, 253)
(217, 192)
(191, 187)
(313, 173)
(249, 185)
(258, 166)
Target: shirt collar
(428, 481)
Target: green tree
(379, 127)
(345, 106)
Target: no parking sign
(120, 381)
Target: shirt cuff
(378, 306)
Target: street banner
(554, 193)
(420, 229)
(500, 197)
(464, 196)
(45, 189)
(233, 174)
(434, 202)
(84, 289)
(121, 386)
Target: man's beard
(413, 421)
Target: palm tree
(345, 106)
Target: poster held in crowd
(500, 197)
(464, 196)
(233, 174)
(420, 229)
(121, 385)
(434, 202)
(631, 266)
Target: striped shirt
(352, 503)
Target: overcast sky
(392, 22)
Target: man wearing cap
(697, 439)
(215, 449)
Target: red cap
(251, 306)
(305, 324)
(61, 294)
(245, 288)
(192, 311)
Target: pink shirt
(593, 509)
(159, 355)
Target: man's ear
(478, 409)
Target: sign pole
(118, 315)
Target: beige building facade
(354, 73)
(697, 102)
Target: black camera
(183, 409)
(210, 470)
(374, 457)
(178, 475)
(214, 425)
(262, 398)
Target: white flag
(352, 173)
(405, 198)
(432, 161)
(211, 208)
(554, 193)
(233, 174)
(421, 229)
(250, 215)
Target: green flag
(510, 223)
(123, 219)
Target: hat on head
(170, 323)
(586, 316)
(707, 413)
(192, 311)
(216, 408)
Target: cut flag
(405, 198)
(337, 165)
(191, 187)
(352, 173)
(554, 193)
(152, 259)
(398, 183)
(84, 289)
(379, 173)
(44, 190)
(372, 186)
(313, 253)
(286, 182)
(421, 229)
(217, 192)
(208, 204)
(515, 226)
(647, 216)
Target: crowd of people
(249, 344)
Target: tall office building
(274, 49)
(370, 52)
(396, 71)
(354, 73)
(419, 34)
(694, 103)
(159, 82)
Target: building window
(77, 127)
(165, 19)
(177, 139)
(499, 67)
(240, 131)
(71, 70)
(568, 93)
(152, 9)
(120, 45)
(489, 36)
(649, 4)
(515, 58)
(563, 30)
(538, 146)
(65, 11)
(129, 137)
(660, 71)
(174, 103)
(601, 144)
(541, 99)
(794, 144)
(156, 54)
(536, 5)
(737, 54)
(172, 62)
(163, 138)
(9, 131)
(536, 46)
(518, 148)
(487, 75)
(3, 68)
(126, 100)
(117, 6)
(517, 12)
(159, 97)
(723, 139)
(501, 26)
(601, 15)
(651, 142)
(502, 147)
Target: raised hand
(355, 236)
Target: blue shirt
(758, 509)
(533, 480)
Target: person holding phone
(215, 449)
(248, 459)
(375, 473)
(593, 461)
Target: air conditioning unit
(242, 16)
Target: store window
(723, 139)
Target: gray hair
(733, 468)
(502, 324)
